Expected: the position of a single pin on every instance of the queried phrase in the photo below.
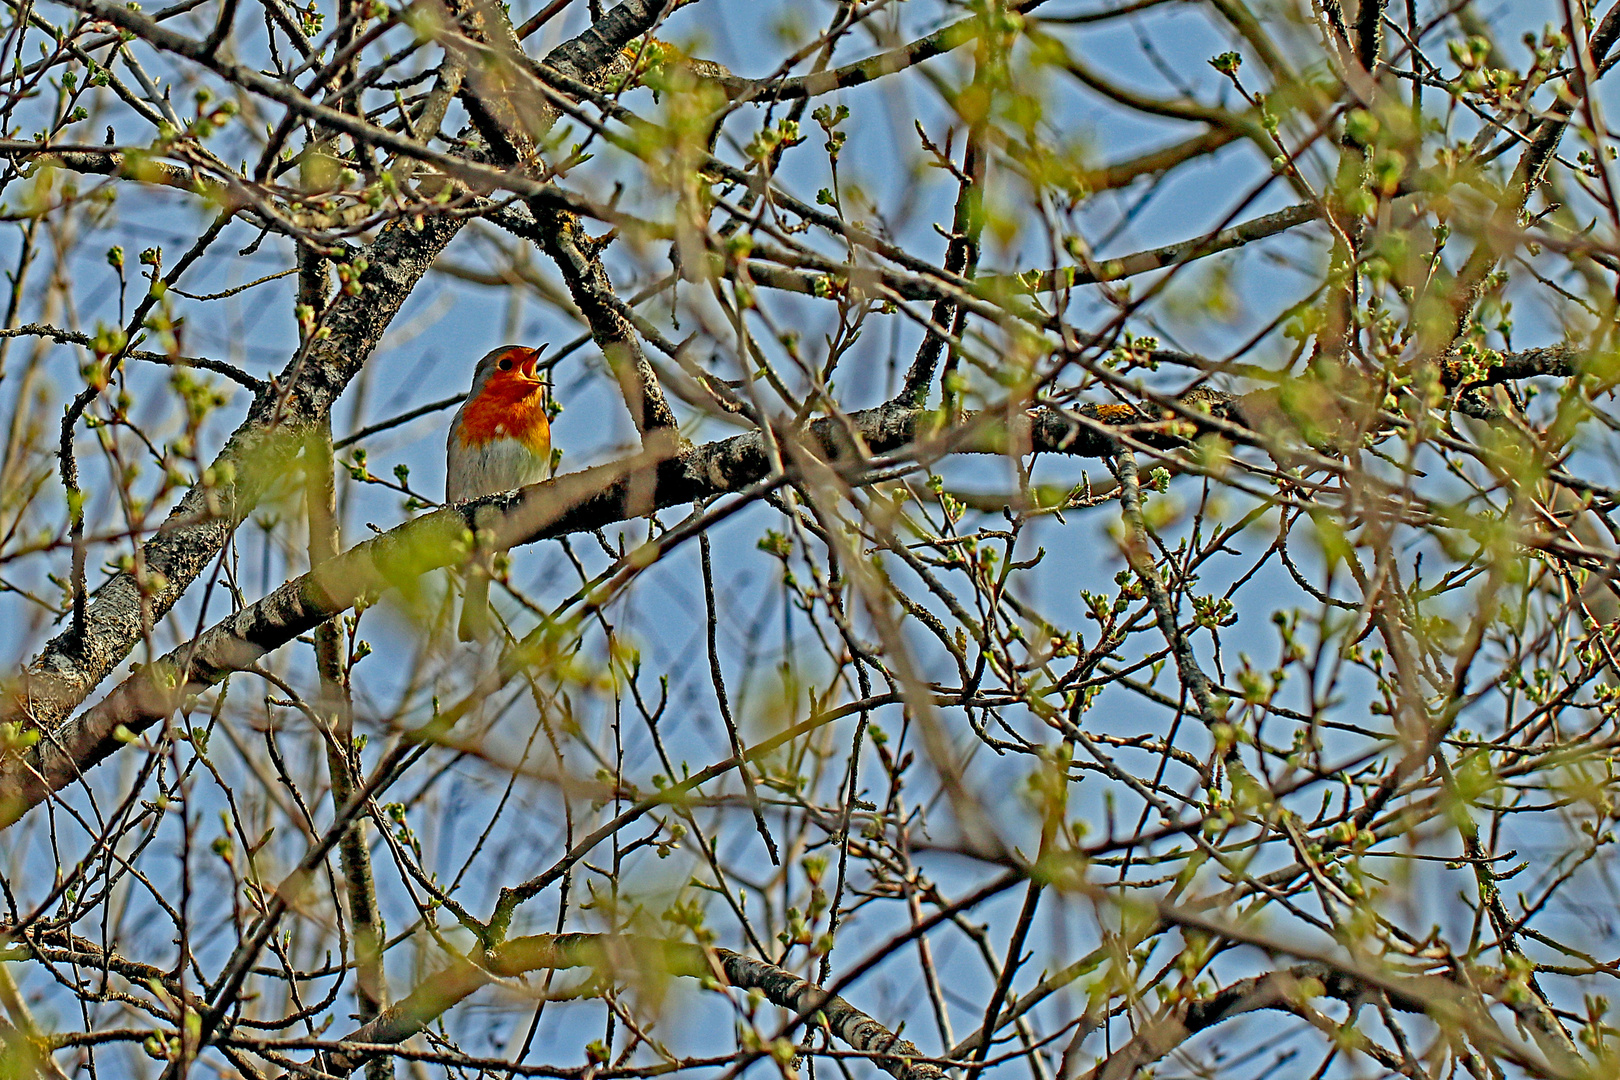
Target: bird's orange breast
(508, 409)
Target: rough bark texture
(658, 478)
(579, 259)
(502, 100)
(73, 664)
(647, 957)
(573, 503)
(260, 449)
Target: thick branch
(511, 117)
(579, 258)
(73, 664)
(657, 478)
(253, 457)
(636, 956)
(961, 258)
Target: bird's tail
(474, 625)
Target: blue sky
(448, 324)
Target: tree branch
(72, 664)
(657, 478)
(633, 956)
(267, 439)
(562, 237)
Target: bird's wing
(457, 483)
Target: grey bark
(655, 479)
(630, 956)
(73, 664)
(577, 502)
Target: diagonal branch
(72, 664)
(579, 258)
(656, 478)
(511, 117)
(634, 956)
(263, 444)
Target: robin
(500, 439)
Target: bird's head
(511, 373)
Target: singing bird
(500, 439)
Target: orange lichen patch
(511, 405)
(1115, 413)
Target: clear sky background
(449, 323)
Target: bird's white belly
(497, 465)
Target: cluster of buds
(349, 275)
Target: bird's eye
(505, 364)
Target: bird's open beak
(529, 368)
